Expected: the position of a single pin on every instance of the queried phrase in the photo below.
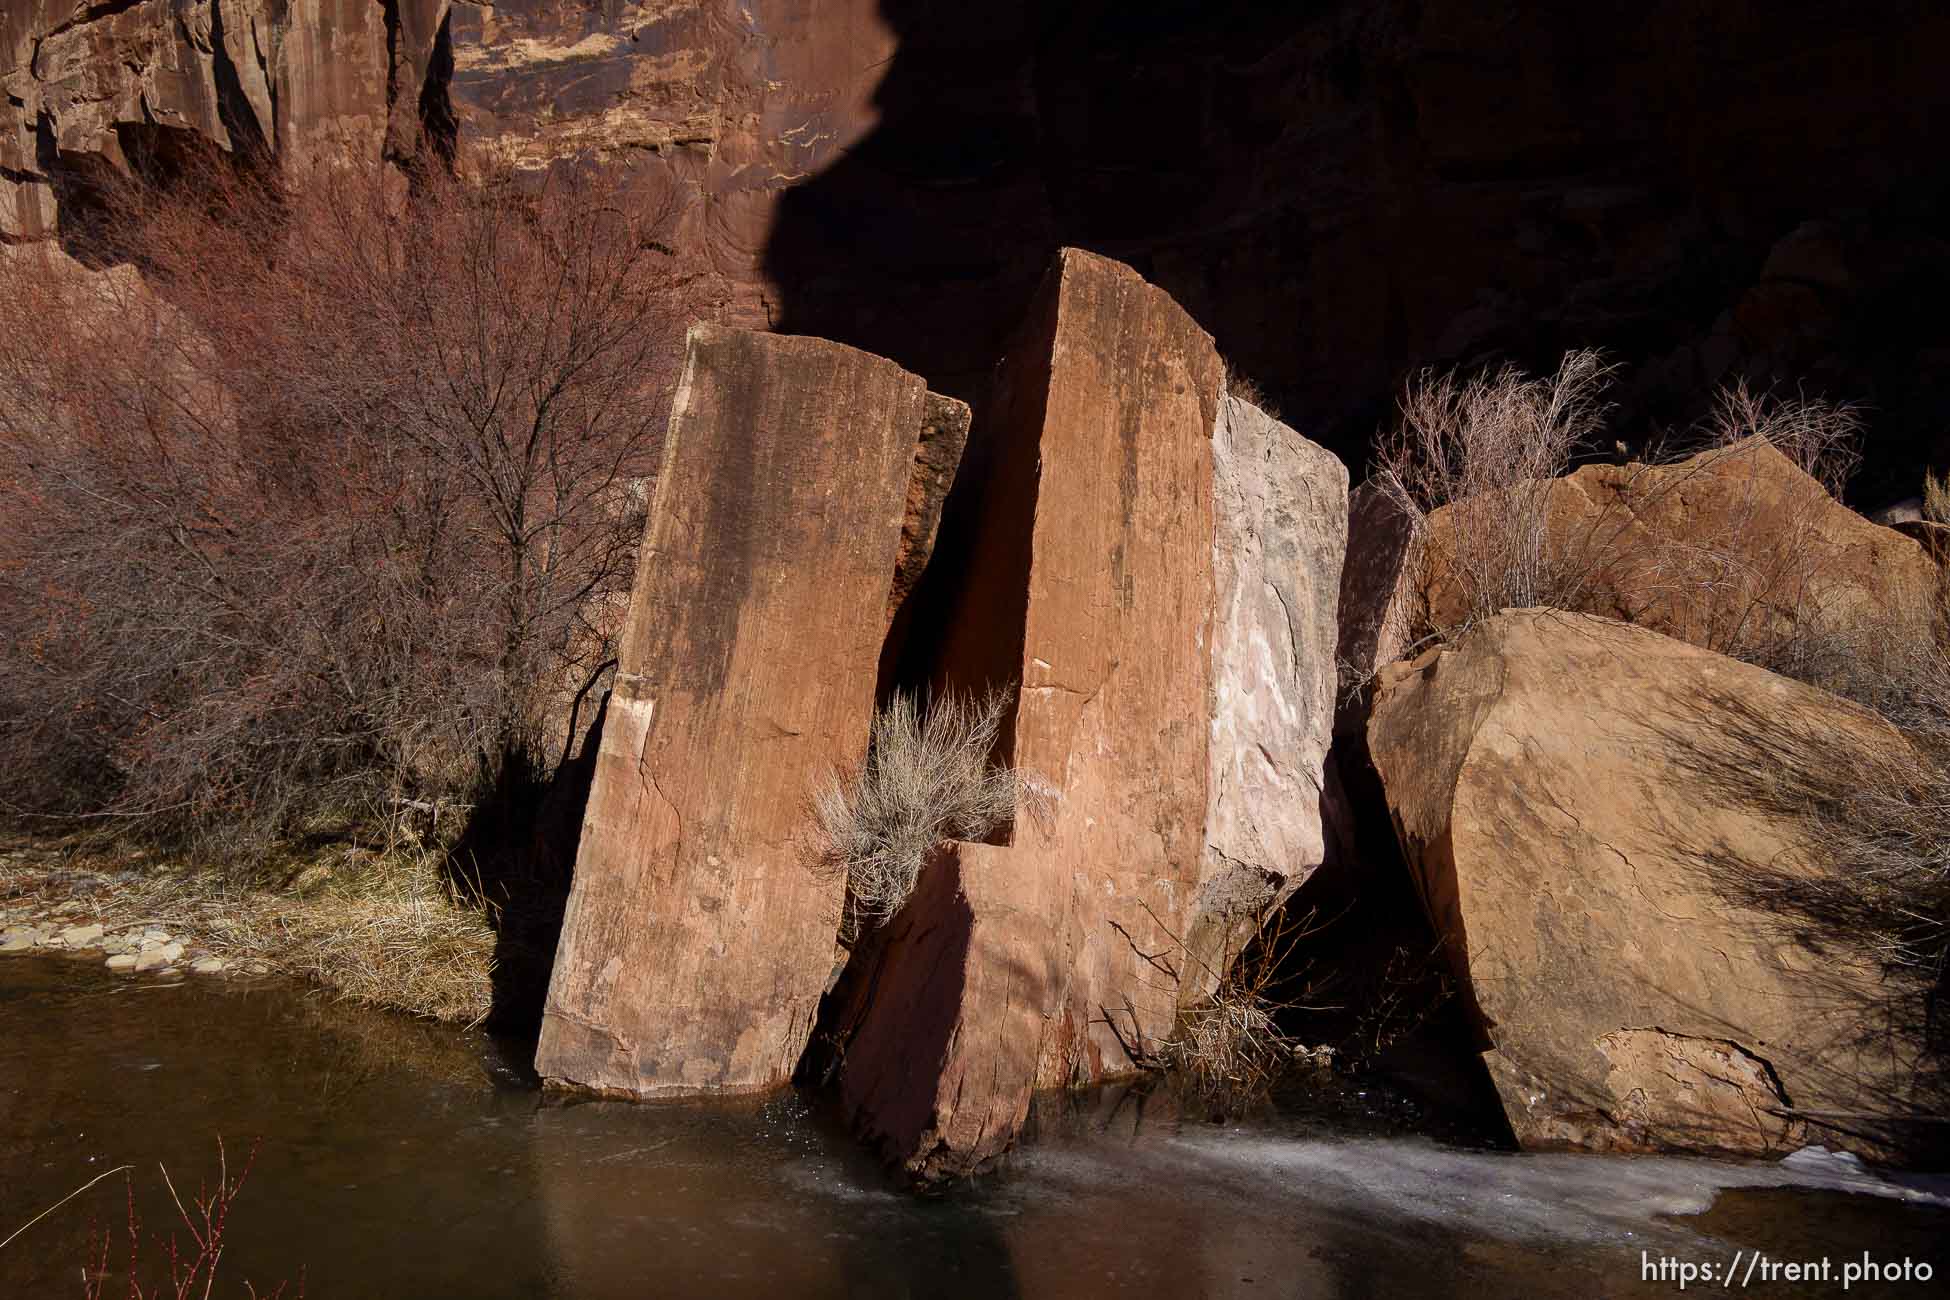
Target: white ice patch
(1530, 1198)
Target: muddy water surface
(398, 1159)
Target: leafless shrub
(1752, 577)
(191, 1268)
(929, 776)
(1488, 448)
(329, 510)
(1408, 991)
(1936, 498)
(1228, 1048)
(1824, 439)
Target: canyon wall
(1338, 193)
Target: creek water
(401, 1159)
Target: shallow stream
(401, 1159)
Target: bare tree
(337, 501)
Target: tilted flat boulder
(698, 938)
(1557, 782)
(937, 458)
(1087, 575)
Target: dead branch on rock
(1228, 1049)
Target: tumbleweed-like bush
(930, 776)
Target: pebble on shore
(139, 948)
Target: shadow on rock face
(518, 855)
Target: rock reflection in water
(408, 1160)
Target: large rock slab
(1734, 549)
(1280, 530)
(698, 936)
(1088, 580)
(1088, 576)
(1544, 779)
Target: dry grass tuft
(1246, 389)
(387, 933)
(929, 777)
(1936, 498)
(400, 939)
(1228, 1049)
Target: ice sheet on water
(1538, 1197)
(1843, 1171)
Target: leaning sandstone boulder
(1280, 512)
(937, 458)
(1734, 549)
(1053, 957)
(1559, 785)
(1088, 580)
(698, 937)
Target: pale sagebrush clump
(1488, 447)
(1936, 498)
(929, 777)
